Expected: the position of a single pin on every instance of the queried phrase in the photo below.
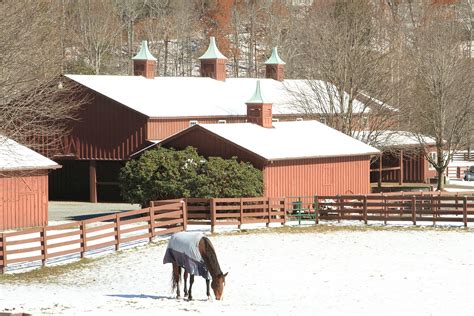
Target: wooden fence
(387, 208)
(84, 237)
(235, 211)
(393, 207)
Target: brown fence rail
(387, 208)
(235, 211)
(82, 237)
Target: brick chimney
(213, 62)
(274, 66)
(258, 111)
(144, 64)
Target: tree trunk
(440, 173)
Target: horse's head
(217, 285)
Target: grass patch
(46, 274)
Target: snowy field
(378, 272)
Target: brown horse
(194, 252)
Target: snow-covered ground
(349, 272)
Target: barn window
(275, 120)
(221, 121)
(365, 121)
(434, 157)
(299, 119)
(193, 122)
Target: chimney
(144, 64)
(213, 62)
(274, 66)
(258, 111)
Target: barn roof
(288, 140)
(14, 156)
(202, 96)
(398, 139)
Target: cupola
(259, 111)
(144, 63)
(274, 66)
(213, 62)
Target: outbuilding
(23, 185)
(297, 157)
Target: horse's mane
(210, 258)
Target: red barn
(127, 114)
(297, 158)
(23, 186)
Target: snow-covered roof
(396, 138)
(291, 140)
(202, 96)
(14, 156)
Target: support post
(269, 210)
(241, 213)
(365, 209)
(316, 209)
(117, 231)
(3, 254)
(152, 221)
(44, 246)
(464, 211)
(413, 209)
(380, 172)
(93, 181)
(84, 239)
(184, 206)
(213, 214)
(401, 167)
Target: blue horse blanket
(183, 249)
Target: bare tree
(441, 104)
(344, 48)
(34, 103)
(97, 29)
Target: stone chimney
(144, 64)
(258, 111)
(274, 66)
(213, 62)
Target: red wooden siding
(161, 128)
(24, 200)
(106, 130)
(319, 176)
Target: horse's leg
(176, 276)
(185, 283)
(191, 281)
(207, 289)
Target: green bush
(167, 173)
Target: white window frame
(299, 119)
(221, 122)
(434, 156)
(193, 122)
(274, 120)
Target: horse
(194, 252)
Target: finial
(144, 53)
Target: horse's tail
(175, 277)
